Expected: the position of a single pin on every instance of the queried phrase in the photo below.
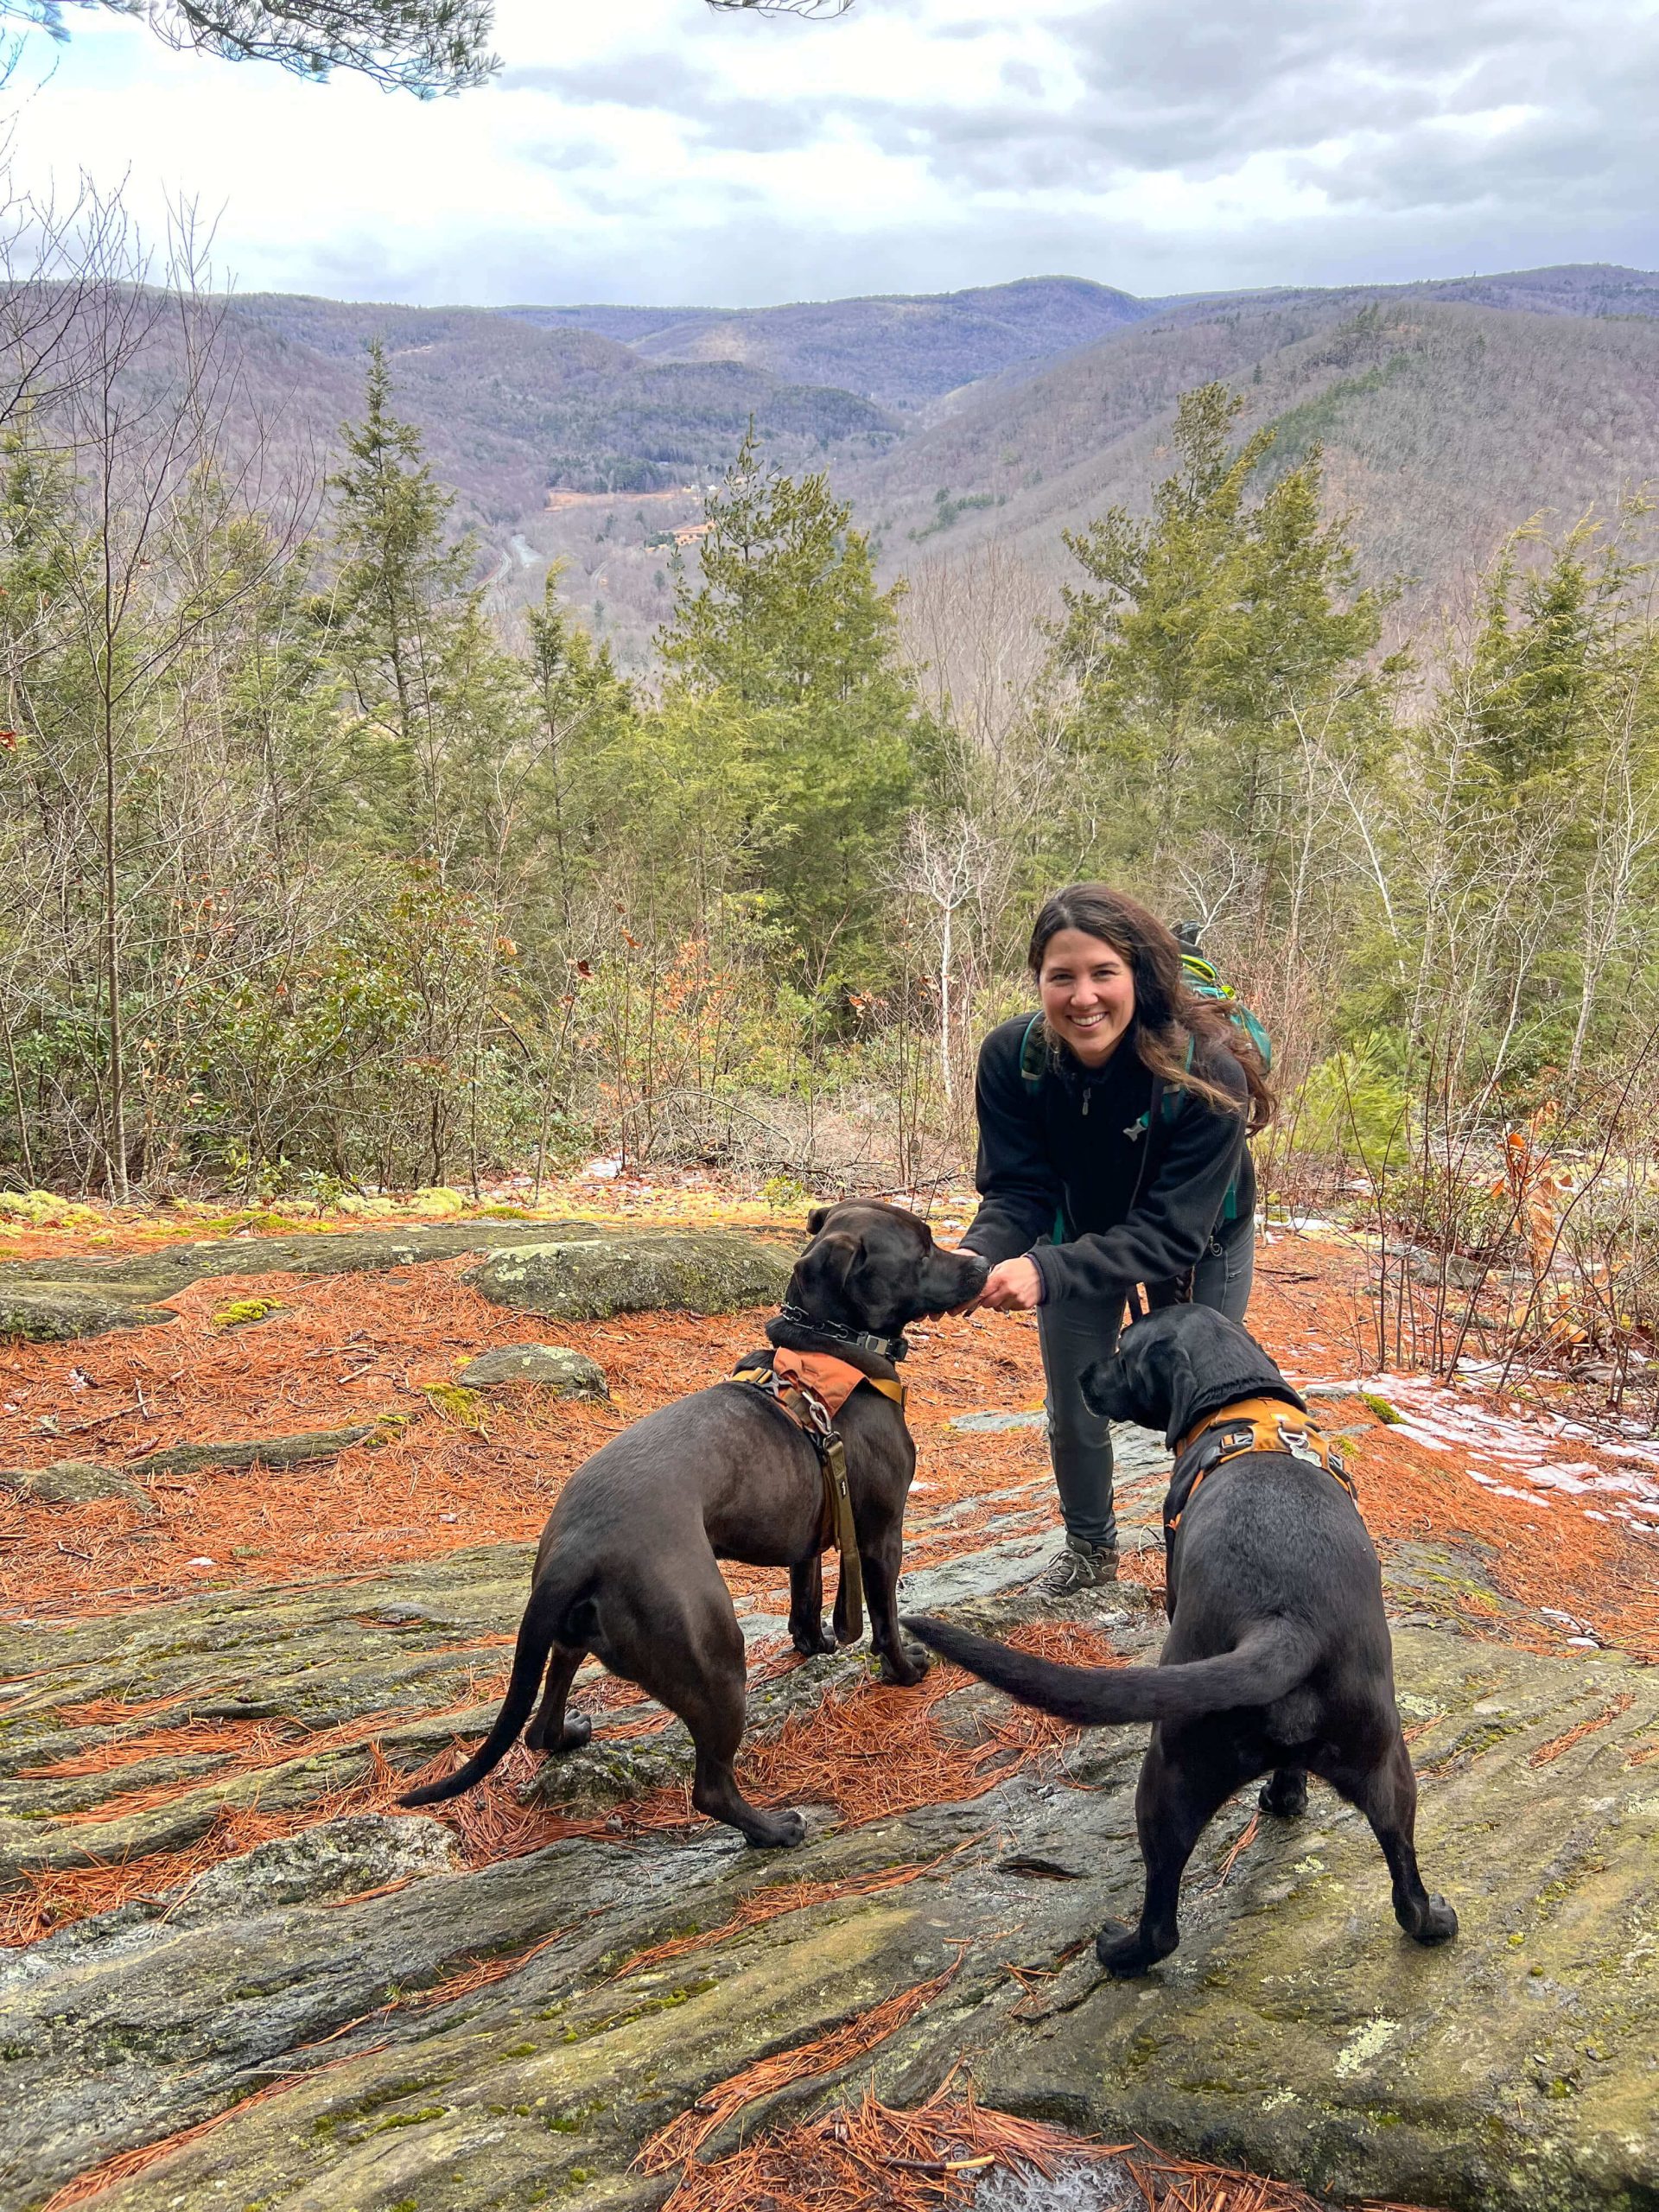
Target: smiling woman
(1112, 1152)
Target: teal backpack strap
(1033, 1054)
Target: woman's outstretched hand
(1012, 1286)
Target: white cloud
(662, 152)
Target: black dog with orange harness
(1278, 1660)
(628, 1567)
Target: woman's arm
(1175, 1215)
(1019, 1190)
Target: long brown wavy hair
(1168, 1012)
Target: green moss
(520, 2050)
(241, 1311)
(460, 1407)
(1381, 1408)
(410, 2119)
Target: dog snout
(1103, 1390)
(955, 1279)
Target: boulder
(70, 1482)
(336, 1858)
(708, 1272)
(567, 1374)
(1295, 2031)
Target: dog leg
(881, 1554)
(806, 1630)
(690, 1658)
(550, 1731)
(1175, 1801)
(1285, 1795)
(1387, 1797)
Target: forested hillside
(903, 352)
(1449, 413)
(324, 861)
(512, 411)
(1442, 426)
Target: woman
(1112, 1152)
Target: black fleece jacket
(1126, 1199)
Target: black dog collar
(884, 1347)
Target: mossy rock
(438, 1199)
(46, 1210)
(554, 1368)
(70, 1482)
(712, 1272)
(43, 1315)
(75, 1481)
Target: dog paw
(776, 1831)
(905, 1667)
(811, 1641)
(1125, 1955)
(1436, 1923)
(572, 1737)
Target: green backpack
(1206, 982)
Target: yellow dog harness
(1250, 1425)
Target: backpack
(1206, 982)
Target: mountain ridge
(1449, 411)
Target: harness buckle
(1299, 1445)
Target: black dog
(1278, 1660)
(626, 1568)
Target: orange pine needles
(682, 2140)
(869, 2158)
(1553, 1750)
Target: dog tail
(1269, 1661)
(551, 1601)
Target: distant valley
(1449, 412)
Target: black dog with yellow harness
(1278, 1660)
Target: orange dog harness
(811, 1388)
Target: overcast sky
(650, 151)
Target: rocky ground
(236, 1976)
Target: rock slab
(713, 1272)
(79, 1295)
(1295, 2031)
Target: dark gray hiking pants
(1074, 1332)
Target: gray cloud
(1197, 90)
(1128, 143)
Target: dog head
(1178, 1365)
(875, 1268)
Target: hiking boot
(1080, 1566)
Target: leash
(1250, 1425)
(810, 1388)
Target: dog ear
(816, 1219)
(1184, 1385)
(823, 1268)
